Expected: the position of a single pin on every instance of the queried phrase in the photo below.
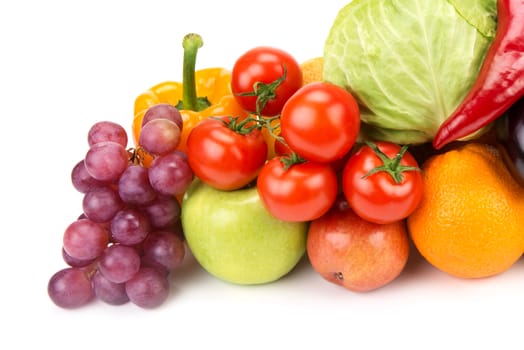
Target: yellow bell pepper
(212, 83)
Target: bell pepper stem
(191, 43)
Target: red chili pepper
(500, 81)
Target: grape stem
(136, 155)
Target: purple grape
(170, 174)
(74, 262)
(163, 111)
(107, 291)
(159, 136)
(129, 226)
(81, 179)
(176, 229)
(106, 225)
(70, 288)
(101, 204)
(106, 161)
(163, 211)
(106, 131)
(119, 263)
(163, 249)
(134, 186)
(148, 288)
(85, 239)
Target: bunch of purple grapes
(129, 238)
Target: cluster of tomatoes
(314, 128)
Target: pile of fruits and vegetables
(408, 128)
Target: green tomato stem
(265, 92)
(291, 159)
(391, 166)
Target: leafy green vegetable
(480, 14)
(409, 63)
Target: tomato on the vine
(382, 182)
(266, 76)
(226, 153)
(297, 191)
(320, 122)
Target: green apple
(234, 238)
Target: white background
(67, 64)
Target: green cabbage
(409, 63)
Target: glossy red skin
(377, 198)
(320, 122)
(500, 82)
(303, 192)
(265, 64)
(281, 149)
(223, 158)
(356, 254)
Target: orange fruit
(470, 222)
(312, 70)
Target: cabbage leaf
(409, 63)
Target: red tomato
(320, 122)
(224, 157)
(382, 182)
(264, 66)
(302, 192)
(281, 149)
